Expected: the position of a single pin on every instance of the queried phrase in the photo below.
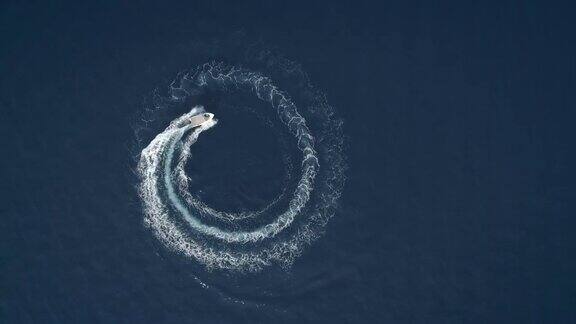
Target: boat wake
(280, 230)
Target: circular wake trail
(172, 212)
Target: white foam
(164, 184)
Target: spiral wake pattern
(295, 218)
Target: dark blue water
(459, 200)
